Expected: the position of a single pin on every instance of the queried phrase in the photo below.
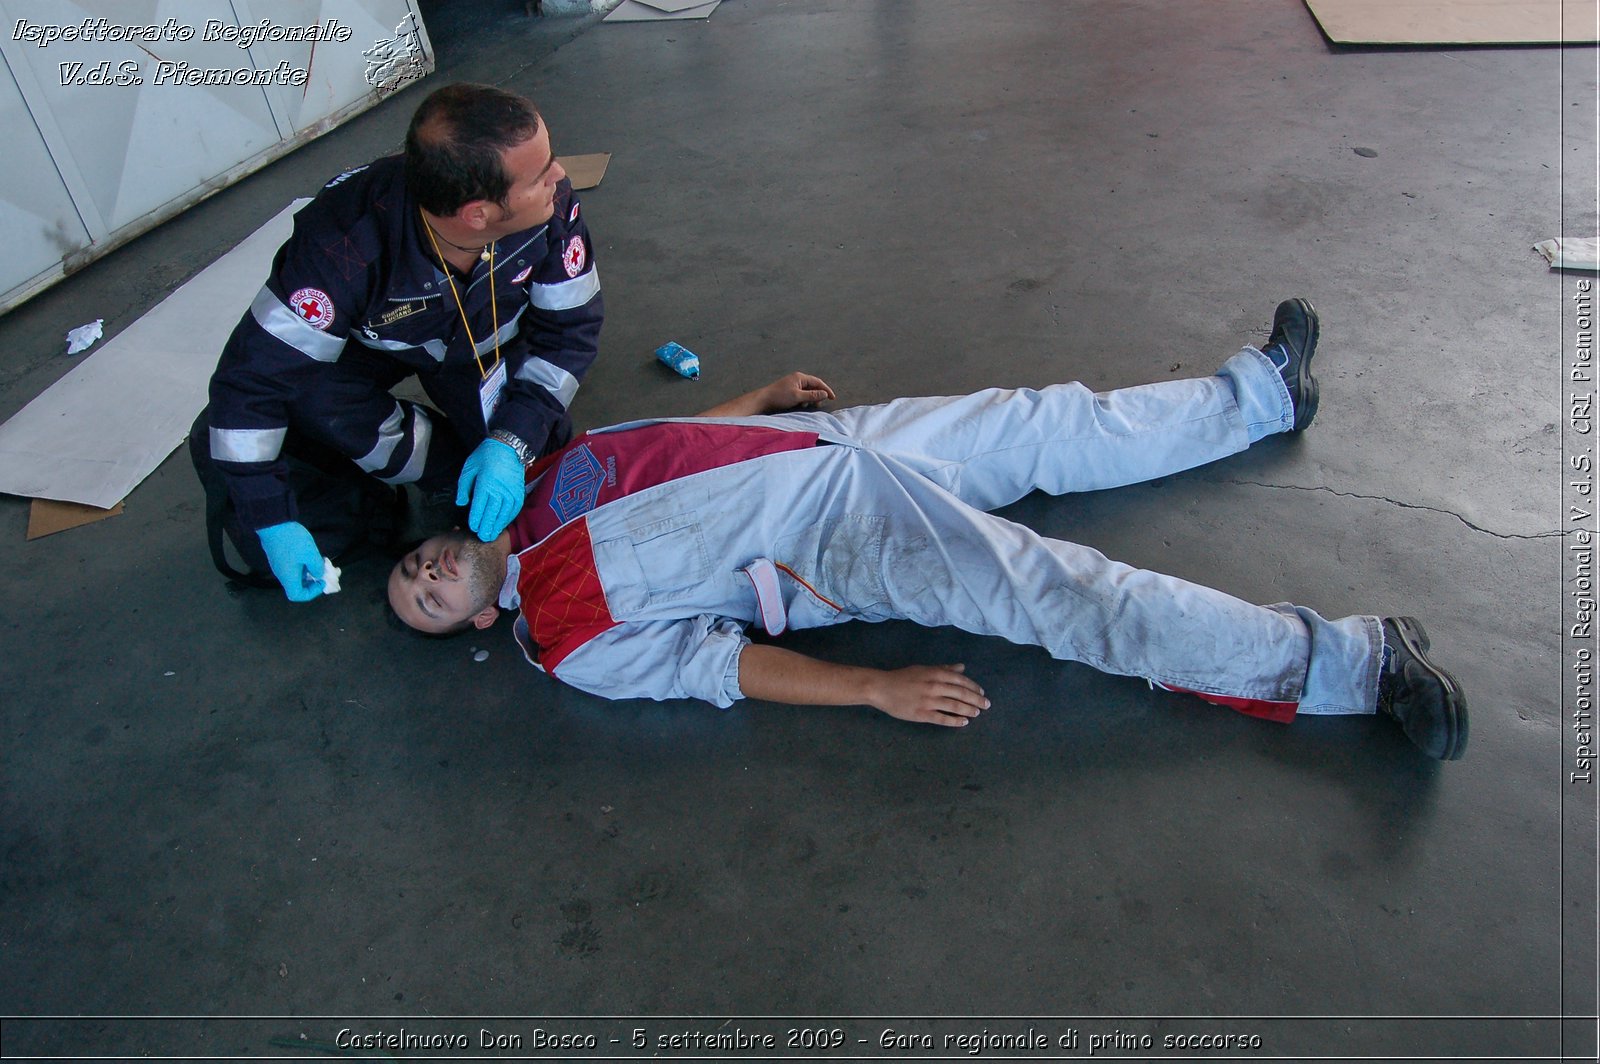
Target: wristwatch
(516, 443)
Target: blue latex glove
(295, 559)
(493, 478)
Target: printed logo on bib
(577, 484)
(314, 306)
(572, 216)
(573, 256)
(523, 276)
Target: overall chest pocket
(655, 563)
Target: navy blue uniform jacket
(359, 282)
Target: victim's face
(447, 583)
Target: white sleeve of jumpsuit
(697, 657)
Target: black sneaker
(1422, 698)
(1290, 347)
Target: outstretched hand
(790, 392)
(794, 391)
(929, 694)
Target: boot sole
(1417, 642)
(1307, 383)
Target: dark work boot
(1422, 698)
(1290, 347)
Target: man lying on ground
(644, 550)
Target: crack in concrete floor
(1558, 533)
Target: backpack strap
(217, 507)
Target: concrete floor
(218, 803)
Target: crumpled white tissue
(84, 336)
(330, 577)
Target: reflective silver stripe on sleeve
(435, 348)
(552, 378)
(421, 437)
(246, 445)
(292, 329)
(566, 294)
(389, 437)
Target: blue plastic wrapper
(683, 362)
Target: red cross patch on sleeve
(573, 256)
(314, 306)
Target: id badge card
(491, 390)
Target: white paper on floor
(660, 10)
(104, 427)
(1570, 252)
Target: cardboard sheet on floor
(660, 10)
(1456, 21)
(46, 517)
(101, 429)
(585, 171)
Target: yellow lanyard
(494, 307)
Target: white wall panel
(116, 133)
(40, 224)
